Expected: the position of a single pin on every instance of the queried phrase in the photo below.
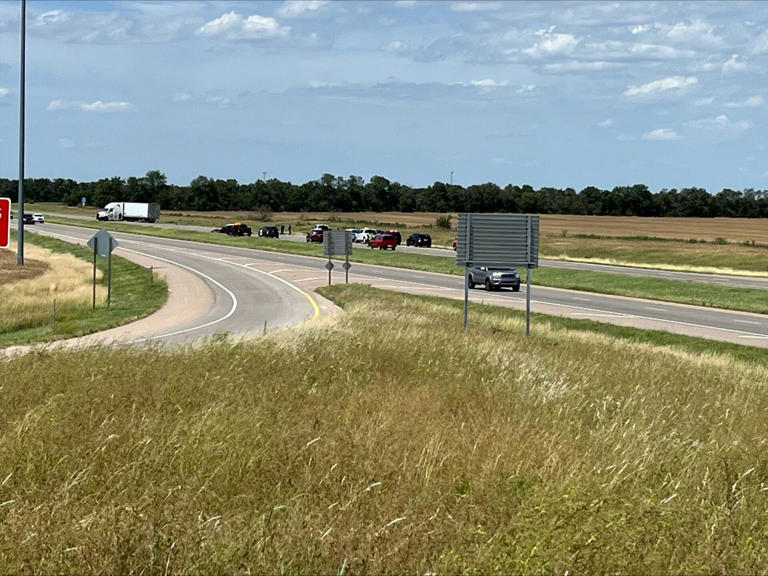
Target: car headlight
(517, 275)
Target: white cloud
(4, 92)
(696, 31)
(639, 29)
(474, 6)
(751, 102)
(232, 25)
(661, 134)
(182, 97)
(52, 17)
(65, 143)
(734, 63)
(704, 101)
(405, 3)
(761, 44)
(95, 106)
(99, 106)
(552, 44)
(396, 46)
(662, 85)
(606, 123)
(297, 8)
(721, 122)
(579, 65)
(488, 83)
(220, 101)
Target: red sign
(5, 222)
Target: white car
(38, 218)
(364, 236)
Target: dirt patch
(11, 272)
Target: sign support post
(94, 276)
(109, 274)
(103, 244)
(528, 285)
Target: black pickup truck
(236, 229)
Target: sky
(563, 94)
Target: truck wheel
(394, 248)
(488, 286)
(516, 288)
(471, 282)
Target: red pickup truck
(383, 241)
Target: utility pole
(264, 175)
(451, 177)
(20, 250)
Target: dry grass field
(28, 291)
(386, 441)
(45, 275)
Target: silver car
(493, 278)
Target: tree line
(353, 194)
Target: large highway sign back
(5, 222)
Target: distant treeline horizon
(353, 194)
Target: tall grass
(385, 440)
(64, 272)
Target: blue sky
(549, 94)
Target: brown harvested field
(732, 229)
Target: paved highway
(737, 281)
(249, 287)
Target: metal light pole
(20, 250)
(451, 177)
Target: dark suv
(419, 239)
(236, 229)
(269, 232)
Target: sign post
(5, 222)
(102, 244)
(337, 243)
(501, 241)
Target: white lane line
(596, 315)
(582, 299)
(201, 326)
(306, 279)
(753, 337)
(654, 309)
(747, 322)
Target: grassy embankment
(62, 271)
(386, 440)
(700, 294)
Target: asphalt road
(251, 287)
(737, 281)
(238, 298)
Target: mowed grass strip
(64, 272)
(386, 440)
(694, 293)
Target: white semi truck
(129, 211)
